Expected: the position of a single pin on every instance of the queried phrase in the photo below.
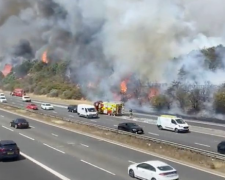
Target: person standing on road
(131, 113)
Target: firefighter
(131, 113)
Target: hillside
(51, 79)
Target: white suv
(26, 99)
(47, 106)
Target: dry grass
(148, 146)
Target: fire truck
(109, 108)
(18, 92)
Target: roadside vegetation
(50, 79)
(42, 79)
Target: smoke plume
(107, 40)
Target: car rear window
(22, 120)
(11, 145)
(165, 168)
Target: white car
(153, 170)
(3, 99)
(26, 99)
(47, 106)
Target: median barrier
(141, 137)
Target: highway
(79, 157)
(24, 170)
(200, 136)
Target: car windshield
(33, 105)
(47, 104)
(165, 168)
(22, 120)
(27, 97)
(2, 97)
(91, 109)
(132, 125)
(180, 121)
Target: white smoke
(109, 39)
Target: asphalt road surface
(79, 157)
(23, 169)
(201, 137)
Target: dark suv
(72, 108)
(221, 147)
(9, 150)
(131, 127)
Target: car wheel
(131, 173)
(16, 126)
(153, 179)
(176, 130)
(160, 127)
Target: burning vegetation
(45, 57)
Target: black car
(72, 108)
(19, 123)
(221, 147)
(9, 150)
(131, 127)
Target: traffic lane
(194, 139)
(79, 149)
(197, 140)
(63, 163)
(76, 147)
(64, 113)
(25, 170)
(185, 172)
(131, 156)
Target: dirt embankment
(160, 149)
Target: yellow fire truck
(109, 108)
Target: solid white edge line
(132, 162)
(2, 116)
(7, 128)
(45, 167)
(32, 127)
(93, 121)
(84, 145)
(26, 136)
(54, 148)
(55, 135)
(202, 144)
(153, 134)
(124, 146)
(97, 167)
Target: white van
(87, 111)
(172, 123)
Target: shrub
(182, 97)
(160, 102)
(77, 95)
(219, 102)
(67, 94)
(53, 93)
(37, 90)
(43, 91)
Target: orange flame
(123, 86)
(44, 57)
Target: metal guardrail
(143, 137)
